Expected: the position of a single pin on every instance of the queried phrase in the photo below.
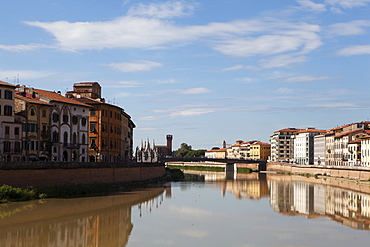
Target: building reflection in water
(289, 195)
(347, 207)
(81, 222)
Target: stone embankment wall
(341, 172)
(45, 174)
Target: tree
(215, 148)
(185, 151)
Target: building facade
(110, 127)
(68, 127)
(35, 117)
(304, 146)
(10, 129)
(282, 145)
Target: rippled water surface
(212, 210)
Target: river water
(211, 209)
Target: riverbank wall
(359, 173)
(44, 174)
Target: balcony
(71, 145)
(12, 151)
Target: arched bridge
(230, 164)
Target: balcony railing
(71, 145)
(12, 151)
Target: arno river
(211, 210)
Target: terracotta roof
(350, 132)
(91, 101)
(6, 84)
(217, 150)
(355, 141)
(311, 130)
(288, 130)
(59, 98)
(31, 100)
(341, 127)
(259, 143)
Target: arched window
(65, 137)
(74, 138)
(83, 141)
(54, 137)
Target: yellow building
(35, 117)
(260, 150)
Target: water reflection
(342, 201)
(94, 221)
(348, 207)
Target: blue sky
(203, 71)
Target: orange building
(110, 127)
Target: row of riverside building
(40, 125)
(347, 145)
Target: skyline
(202, 72)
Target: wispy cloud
(350, 28)
(126, 84)
(354, 50)
(22, 48)
(191, 112)
(198, 90)
(347, 4)
(146, 26)
(162, 10)
(25, 74)
(136, 66)
(311, 6)
(305, 78)
(236, 67)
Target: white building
(304, 146)
(69, 127)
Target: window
(83, 121)
(92, 112)
(93, 127)
(74, 138)
(16, 131)
(65, 137)
(74, 119)
(33, 113)
(7, 130)
(92, 143)
(43, 113)
(8, 94)
(55, 136)
(8, 110)
(17, 147)
(7, 146)
(65, 118)
(55, 117)
(83, 140)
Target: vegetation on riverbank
(10, 194)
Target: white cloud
(311, 6)
(191, 112)
(125, 84)
(166, 81)
(347, 4)
(349, 28)
(282, 61)
(198, 90)
(266, 45)
(135, 66)
(354, 50)
(22, 48)
(336, 10)
(304, 78)
(25, 74)
(285, 90)
(236, 67)
(162, 10)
